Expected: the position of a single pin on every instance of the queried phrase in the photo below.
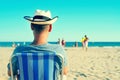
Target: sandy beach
(98, 63)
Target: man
(86, 42)
(41, 25)
(63, 42)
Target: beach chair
(43, 65)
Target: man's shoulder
(19, 49)
(55, 47)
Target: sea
(68, 44)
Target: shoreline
(67, 44)
(78, 47)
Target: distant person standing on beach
(76, 44)
(59, 41)
(86, 42)
(82, 41)
(63, 42)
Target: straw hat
(41, 17)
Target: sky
(98, 19)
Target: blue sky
(98, 19)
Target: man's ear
(32, 28)
(50, 27)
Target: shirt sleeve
(65, 59)
(14, 64)
(63, 52)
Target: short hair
(38, 28)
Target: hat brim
(51, 21)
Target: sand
(98, 63)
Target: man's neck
(37, 42)
(40, 39)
